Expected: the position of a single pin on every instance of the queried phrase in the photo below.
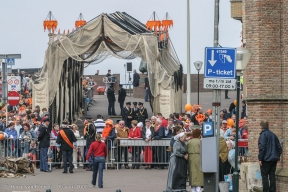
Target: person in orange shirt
(109, 135)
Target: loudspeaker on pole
(129, 67)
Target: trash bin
(224, 186)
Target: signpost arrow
(212, 61)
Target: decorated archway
(118, 35)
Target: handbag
(231, 158)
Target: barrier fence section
(123, 151)
(138, 152)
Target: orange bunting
(50, 25)
(153, 25)
(166, 24)
(80, 23)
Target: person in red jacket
(135, 133)
(99, 151)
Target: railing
(133, 152)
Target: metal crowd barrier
(128, 152)
(137, 152)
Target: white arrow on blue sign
(220, 63)
(10, 61)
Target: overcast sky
(22, 27)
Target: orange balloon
(230, 122)
(2, 137)
(188, 107)
(235, 102)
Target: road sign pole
(216, 95)
(4, 75)
(236, 170)
(4, 82)
(7, 115)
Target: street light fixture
(243, 57)
(198, 66)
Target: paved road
(127, 180)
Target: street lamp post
(198, 66)
(243, 56)
(188, 90)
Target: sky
(22, 29)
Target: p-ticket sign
(214, 83)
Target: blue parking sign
(208, 129)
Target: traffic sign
(214, 83)
(208, 129)
(13, 98)
(220, 63)
(14, 83)
(10, 82)
(10, 61)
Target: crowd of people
(29, 134)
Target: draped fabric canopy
(118, 35)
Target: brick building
(265, 35)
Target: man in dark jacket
(44, 139)
(243, 112)
(65, 140)
(127, 115)
(142, 113)
(111, 101)
(136, 78)
(269, 154)
(226, 115)
(147, 89)
(90, 133)
(160, 150)
(121, 97)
